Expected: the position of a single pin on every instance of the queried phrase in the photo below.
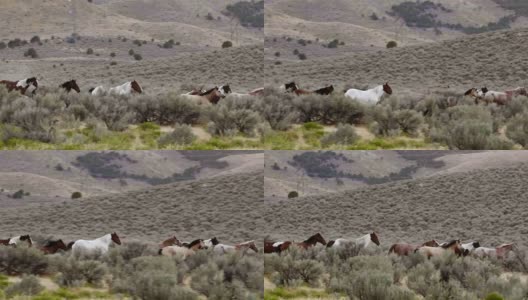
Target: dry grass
(228, 207)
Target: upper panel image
(378, 74)
(128, 74)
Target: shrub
(227, 121)
(333, 44)
(2, 45)
(17, 261)
(138, 56)
(392, 44)
(113, 112)
(76, 195)
(76, 272)
(344, 135)
(89, 51)
(302, 56)
(277, 54)
(131, 52)
(158, 285)
(293, 194)
(35, 39)
(31, 52)
(181, 135)
(18, 194)
(28, 286)
(517, 129)
(494, 296)
(175, 109)
(277, 110)
(227, 44)
(112, 54)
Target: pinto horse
(499, 98)
(223, 248)
(183, 251)
(126, 88)
(404, 249)
(211, 96)
(22, 86)
(225, 90)
(276, 247)
(99, 245)
(470, 247)
(453, 245)
(362, 242)
(289, 87)
(70, 85)
(53, 247)
(172, 241)
(372, 96)
(15, 241)
(499, 252)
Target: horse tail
(91, 90)
(160, 251)
(392, 248)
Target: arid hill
(228, 207)
(484, 205)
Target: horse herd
(169, 247)
(29, 86)
(429, 249)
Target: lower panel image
(396, 225)
(131, 225)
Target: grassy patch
(63, 293)
(297, 293)
(4, 282)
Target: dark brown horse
(70, 85)
(404, 249)
(325, 91)
(291, 87)
(311, 241)
(276, 247)
(53, 247)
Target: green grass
(63, 293)
(4, 282)
(284, 293)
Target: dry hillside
(228, 207)
(492, 59)
(485, 205)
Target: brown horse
(70, 85)
(322, 91)
(249, 245)
(53, 247)
(311, 241)
(404, 249)
(454, 246)
(184, 251)
(172, 241)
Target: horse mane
(91, 90)
(191, 244)
(310, 239)
(447, 245)
(469, 91)
(70, 245)
(330, 243)
(215, 241)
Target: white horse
(96, 246)
(30, 84)
(220, 248)
(15, 241)
(372, 96)
(362, 242)
(126, 88)
(470, 247)
(499, 252)
(98, 91)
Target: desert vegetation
(347, 273)
(133, 270)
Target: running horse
(126, 88)
(211, 96)
(53, 247)
(172, 241)
(183, 251)
(223, 248)
(70, 85)
(289, 87)
(404, 249)
(499, 98)
(499, 252)
(372, 96)
(225, 90)
(14, 241)
(311, 241)
(22, 86)
(99, 245)
(362, 242)
(454, 246)
(322, 91)
(276, 247)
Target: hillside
(484, 205)
(314, 173)
(228, 207)
(455, 65)
(52, 176)
(366, 25)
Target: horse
(470, 247)
(222, 248)
(195, 92)
(70, 85)
(499, 98)
(473, 92)
(99, 245)
(325, 91)
(172, 241)
(276, 247)
(362, 242)
(372, 96)
(14, 241)
(211, 96)
(404, 249)
(126, 88)
(22, 86)
(499, 252)
(453, 245)
(289, 87)
(311, 241)
(184, 251)
(53, 247)
(97, 91)
(225, 90)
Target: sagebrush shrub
(27, 286)
(344, 135)
(17, 261)
(181, 135)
